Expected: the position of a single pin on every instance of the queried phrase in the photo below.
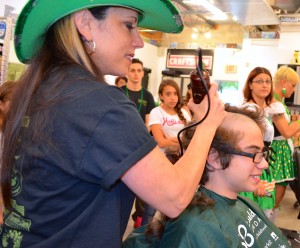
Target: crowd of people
(78, 153)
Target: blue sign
(2, 29)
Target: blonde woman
(285, 81)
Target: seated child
(217, 215)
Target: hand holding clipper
(200, 82)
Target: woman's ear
(82, 21)
(213, 159)
(282, 83)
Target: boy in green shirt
(217, 216)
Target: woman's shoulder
(250, 105)
(157, 110)
(275, 108)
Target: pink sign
(188, 61)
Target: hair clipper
(200, 82)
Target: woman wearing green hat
(75, 149)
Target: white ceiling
(248, 12)
(16, 4)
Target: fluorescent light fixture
(146, 30)
(194, 36)
(217, 13)
(207, 35)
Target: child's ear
(213, 159)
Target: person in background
(170, 117)
(76, 151)
(165, 122)
(145, 103)
(217, 216)
(258, 93)
(285, 81)
(120, 81)
(136, 92)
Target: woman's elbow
(287, 135)
(178, 205)
(175, 210)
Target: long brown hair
(178, 106)
(6, 92)
(247, 92)
(63, 47)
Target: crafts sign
(187, 61)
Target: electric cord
(199, 70)
(192, 125)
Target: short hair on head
(285, 73)
(226, 137)
(119, 78)
(137, 61)
(247, 92)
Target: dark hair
(6, 90)
(225, 139)
(178, 106)
(187, 96)
(120, 78)
(136, 61)
(6, 93)
(247, 91)
(40, 86)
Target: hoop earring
(283, 91)
(92, 47)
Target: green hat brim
(38, 15)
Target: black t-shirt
(143, 99)
(67, 190)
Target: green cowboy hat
(38, 15)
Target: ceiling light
(217, 13)
(194, 36)
(195, 30)
(207, 35)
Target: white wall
(16, 4)
(255, 52)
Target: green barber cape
(228, 224)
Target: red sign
(188, 61)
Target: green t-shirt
(228, 223)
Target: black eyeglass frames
(256, 157)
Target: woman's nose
(138, 41)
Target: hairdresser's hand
(216, 112)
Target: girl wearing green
(285, 80)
